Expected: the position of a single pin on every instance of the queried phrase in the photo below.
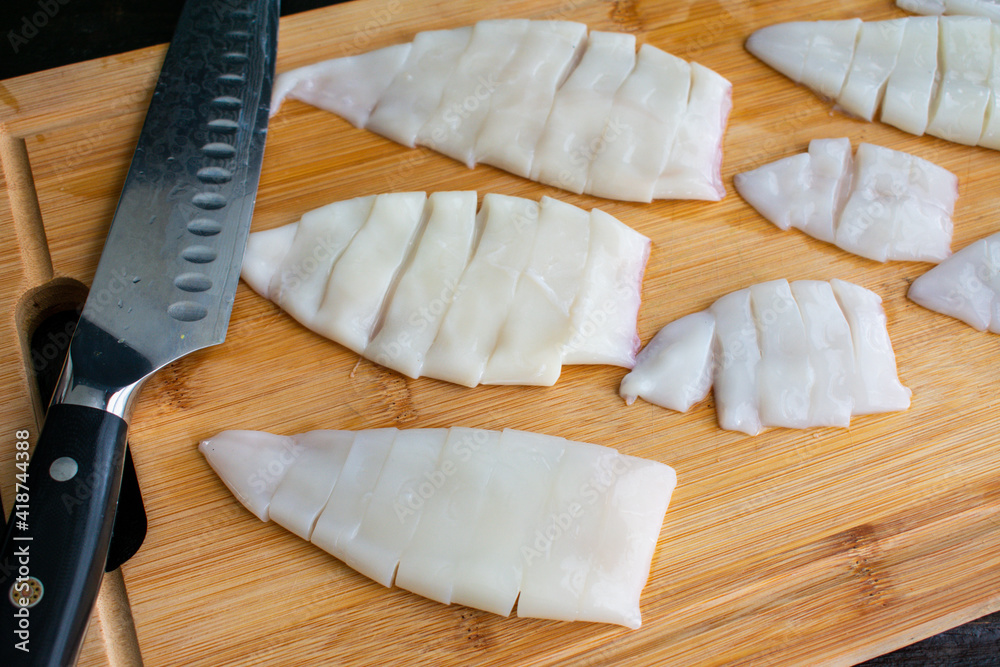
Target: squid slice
(416, 90)
(801, 354)
(558, 564)
(883, 205)
(305, 488)
(874, 61)
(911, 85)
(695, 161)
(428, 287)
(471, 327)
(966, 286)
(737, 357)
(991, 130)
(362, 275)
(831, 51)
(321, 236)
(631, 509)
(520, 106)
(784, 374)
(530, 342)
(339, 522)
(566, 530)
(932, 74)
(959, 110)
(988, 8)
(541, 100)
(876, 384)
(429, 564)
(524, 469)
(576, 129)
(641, 127)
(830, 353)
(394, 512)
(602, 319)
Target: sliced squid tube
(473, 517)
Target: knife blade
(164, 287)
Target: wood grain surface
(825, 546)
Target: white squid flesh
(988, 8)
(540, 99)
(883, 204)
(796, 355)
(428, 287)
(966, 286)
(927, 74)
(566, 530)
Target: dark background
(40, 34)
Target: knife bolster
(101, 372)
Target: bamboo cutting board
(825, 546)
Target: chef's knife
(164, 287)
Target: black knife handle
(57, 534)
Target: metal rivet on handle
(63, 468)
(26, 593)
